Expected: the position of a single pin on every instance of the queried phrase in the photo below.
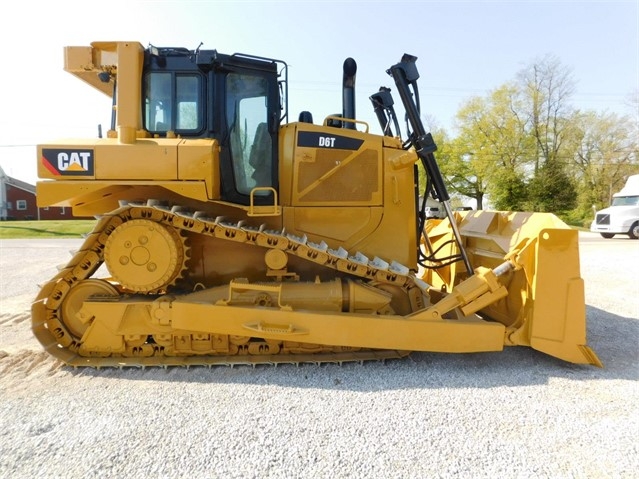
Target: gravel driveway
(517, 413)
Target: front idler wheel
(145, 256)
(73, 301)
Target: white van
(622, 216)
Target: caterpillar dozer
(227, 234)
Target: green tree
(461, 179)
(552, 189)
(545, 88)
(524, 147)
(605, 153)
(492, 148)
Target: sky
(464, 49)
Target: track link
(49, 328)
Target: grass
(45, 229)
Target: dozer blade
(545, 305)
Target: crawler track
(50, 329)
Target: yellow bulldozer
(226, 234)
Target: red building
(18, 202)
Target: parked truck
(622, 216)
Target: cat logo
(68, 162)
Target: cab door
(249, 145)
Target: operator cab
(236, 99)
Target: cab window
(250, 140)
(172, 102)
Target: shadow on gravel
(613, 338)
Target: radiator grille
(356, 180)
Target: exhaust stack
(348, 92)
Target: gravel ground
(517, 413)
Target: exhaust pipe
(348, 92)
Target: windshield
(625, 201)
